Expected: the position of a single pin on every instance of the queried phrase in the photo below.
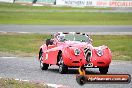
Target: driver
(61, 37)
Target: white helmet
(61, 37)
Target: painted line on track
(90, 33)
(24, 32)
(4, 32)
(8, 57)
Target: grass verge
(65, 18)
(16, 14)
(21, 44)
(120, 45)
(28, 44)
(11, 83)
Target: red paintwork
(67, 49)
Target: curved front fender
(70, 59)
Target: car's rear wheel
(103, 70)
(43, 65)
(62, 67)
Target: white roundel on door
(46, 56)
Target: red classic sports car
(73, 50)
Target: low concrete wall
(36, 1)
(9, 1)
(95, 3)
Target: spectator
(34, 1)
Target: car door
(50, 55)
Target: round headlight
(77, 52)
(99, 52)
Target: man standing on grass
(14, 1)
(34, 1)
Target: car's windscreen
(81, 38)
(76, 37)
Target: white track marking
(37, 5)
(3, 32)
(8, 57)
(24, 32)
(90, 33)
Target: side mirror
(47, 42)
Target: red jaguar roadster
(73, 50)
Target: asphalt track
(27, 68)
(58, 28)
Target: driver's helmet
(61, 37)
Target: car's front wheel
(81, 79)
(43, 66)
(62, 67)
(103, 70)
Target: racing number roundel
(46, 56)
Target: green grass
(11, 83)
(28, 44)
(21, 44)
(65, 18)
(120, 45)
(16, 14)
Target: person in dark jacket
(34, 1)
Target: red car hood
(78, 44)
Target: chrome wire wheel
(62, 67)
(41, 62)
(43, 65)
